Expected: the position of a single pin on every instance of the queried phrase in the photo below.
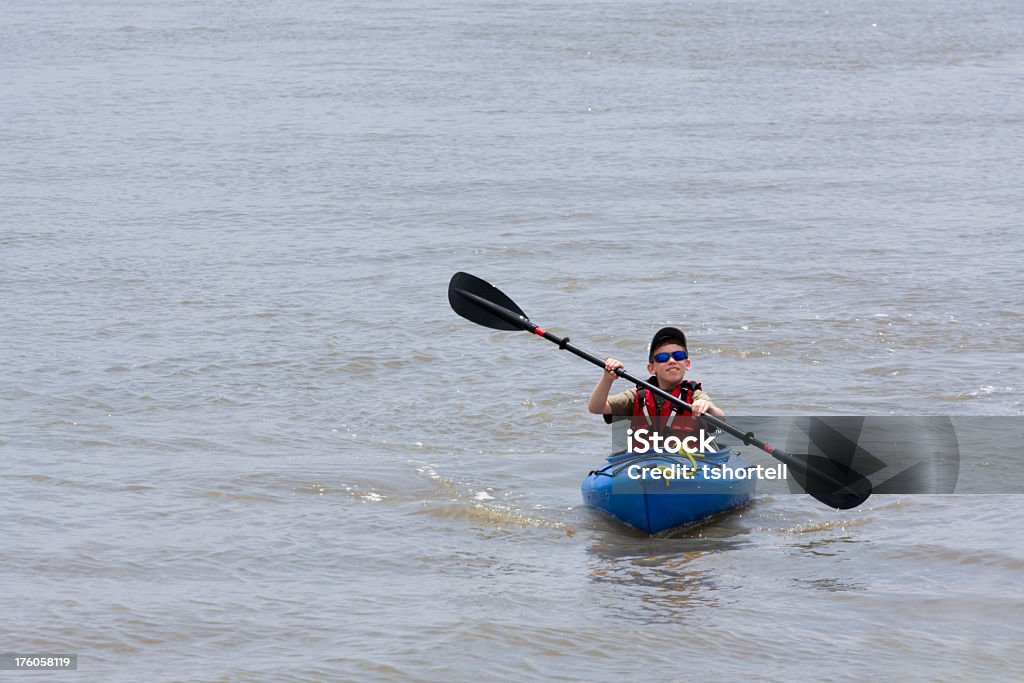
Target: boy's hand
(610, 366)
(701, 406)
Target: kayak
(653, 492)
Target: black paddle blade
(901, 454)
(481, 302)
(910, 454)
(831, 482)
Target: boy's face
(672, 371)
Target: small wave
(962, 557)
(883, 371)
(359, 364)
(431, 473)
(244, 497)
(987, 390)
(495, 516)
(734, 352)
(832, 525)
(350, 490)
(464, 501)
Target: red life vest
(647, 416)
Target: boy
(668, 362)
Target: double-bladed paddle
(833, 483)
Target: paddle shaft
(564, 344)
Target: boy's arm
(599, 396)
(702, 404)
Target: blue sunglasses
(665, 355)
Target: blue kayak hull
(652, 492)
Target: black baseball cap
(663, 335)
